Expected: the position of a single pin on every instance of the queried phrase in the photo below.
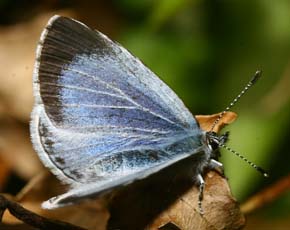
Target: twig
(31, 218)
(266, 196)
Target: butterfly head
(214, 141)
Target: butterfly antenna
(264, 173)
(247, 87)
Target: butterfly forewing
(100, 113)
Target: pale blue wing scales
(89, 157)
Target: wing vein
(82, 89)
(90, 106)
(122, 129)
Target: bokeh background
(205, 50)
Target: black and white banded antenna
(258, 168)
(247, 87)
(221, 144)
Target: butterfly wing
(100, 115)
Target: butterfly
(101, 119)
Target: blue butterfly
(102, 119)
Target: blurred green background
(206, 51)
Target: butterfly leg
(200, 194)
(216, 165)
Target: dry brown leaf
(153, 203)
(221, 210)
(206, 121)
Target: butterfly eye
(213, 140)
